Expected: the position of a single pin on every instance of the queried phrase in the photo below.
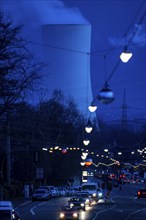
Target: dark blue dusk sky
(112, 22)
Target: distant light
(119, 153)
(88, 162)
(56, 148)
(88, 127)
(83, 157)
(85, 154)
(92, 107)
(44, 148)
(82, 163)
(105, 150)
(125, 56)
(132, 152)
(86, 142)
(64, 150)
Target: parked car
(62, 191)
(68, 212)
(70, 191)
(141, 193)
(77, 202)
(51, 189)
(46, 188)
(40, 194)
(57, 191)
(7, 211)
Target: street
(123, 206)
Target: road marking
(24, 203)
(134, 213)
(104, 210)
(31, 210)
(42, 203)
(119, 210)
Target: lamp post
(8, 152)
(1, 178)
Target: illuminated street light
(92, 107)
(86, 142)
(44, 149)
(85, 154)
(88, 127)
(82, 163)
(125, 55)
(83, 157)
(119, 153)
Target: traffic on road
(122, 204)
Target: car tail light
(139, 193)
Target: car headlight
(75, 215)
(87, 200)
(94, 194)
(100, 194)
(82, 204)
(62, 215)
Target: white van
(7, 211)
(92, 189)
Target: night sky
(112, 23)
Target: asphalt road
(123, 206)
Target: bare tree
(18, 69)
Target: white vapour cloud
(138, 36)
(42, 12)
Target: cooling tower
(66, 50)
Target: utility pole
(8, 151)
(1, 185)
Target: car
(78, 202)
(40, 194)
(69, 212)
(86, 196)
(141, 193)
(7, 211)
(48, 189)
(51, 189)
(91, 188)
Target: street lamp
(86, 142)
(125, 55)
(106, 95)
(92, 107)
(88, 127)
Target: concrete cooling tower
(65, 49)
